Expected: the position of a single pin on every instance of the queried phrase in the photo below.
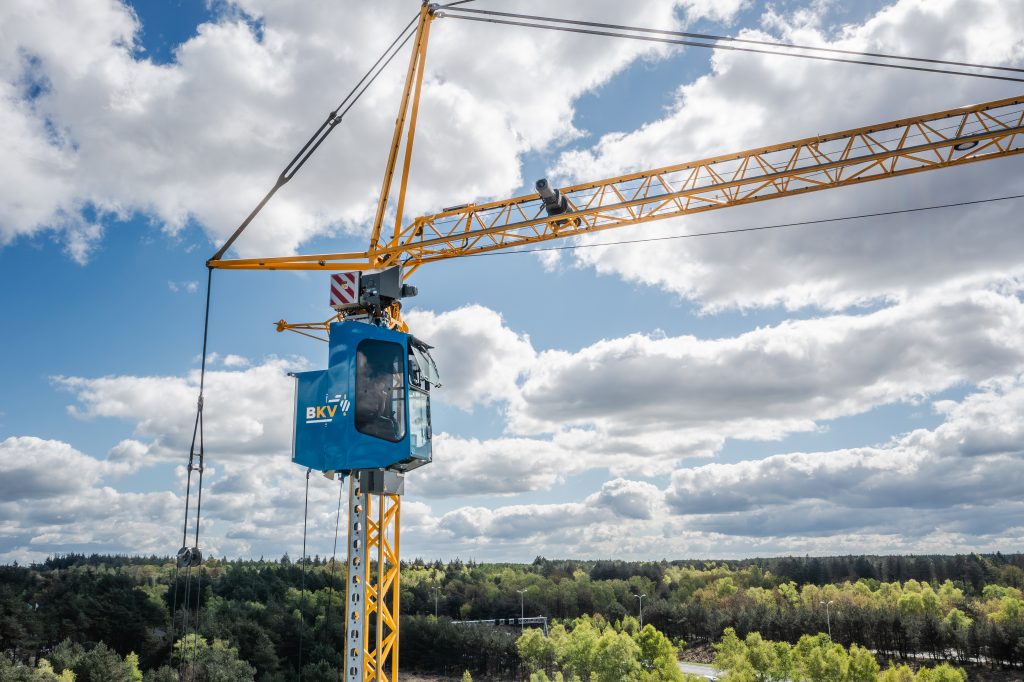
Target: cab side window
(380, 390)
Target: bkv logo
(320, 414)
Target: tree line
(255, 618)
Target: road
(708, 671)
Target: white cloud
(627, 499)
(670, 397)
(480, 359)
(753, 100)
(33, 468)
(232, 360)
(204, 137)
(631, 405)
(189, 287)
(499, 466)
(954, 488)
(246, 413)
(52, 498)
(967, 470)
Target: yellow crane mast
(953, 137)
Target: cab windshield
(380, 390)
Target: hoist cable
(325, 129)
(192, 554)
(184, 627)
(334, 560)
(174, 606)
(690, 43)
(749, 41)
(199, 508)
(302, 598)
(760, 228)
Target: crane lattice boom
(911, 145)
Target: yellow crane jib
(916, 144)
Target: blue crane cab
(370, 409)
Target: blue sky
(837, 371)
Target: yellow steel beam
(372, 586)
(953, 137)
(410, 137)
(413, 82)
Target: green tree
(99, 664)
(14, 672)
(466, 677)
(216, 662)
(819, 660)
(45, 672)
(616, 657)
(753, 659)
(132, 661)
(536, 651)
(657, 655)
(576, 650)
(901, 673)
(941, 673)
(162, 674)
(863, 667)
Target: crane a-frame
(953, 137)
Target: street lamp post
(437, 591)
(641, 598)
(828, 617)
(522, 610)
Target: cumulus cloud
(203, 137)
(964, 471)
(242, 413)
(772, 381)
(498, 466)
(752, 100)
(953, 488)
(232, 360)
(53, 499)
(480, 358)
(33, 468)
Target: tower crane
(367, 416)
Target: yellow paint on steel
(419, 47)
(380, 662)
(410, 137)
(943, 139)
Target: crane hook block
(189, 557)
(370, 409)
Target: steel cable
(192, 554)
(302, 598)
(334, 563)
(490, 19)
(715, 38)
(325, 129)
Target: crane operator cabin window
(380, 390)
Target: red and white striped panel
(344, 289)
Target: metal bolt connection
(358, 504)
